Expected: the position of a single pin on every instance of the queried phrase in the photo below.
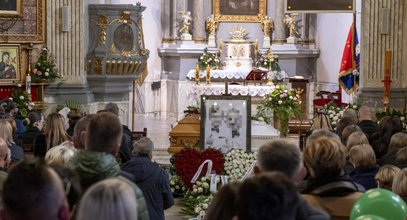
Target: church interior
(232, 75)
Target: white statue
(290, 21)
(185, 22)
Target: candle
(208, 74)
(28, 84)
(197, 75)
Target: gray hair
(143, 147)
(112, 108)
(280, 155)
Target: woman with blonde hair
(328, 185)
(6, 132)
(363, 159)
(356, 138)
(54, 134)
(108, 199)
(400, 184)
(384, 177)
(61, 154)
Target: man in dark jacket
(151, 178)
(366, 122)
(97, 162)
(126, 144)
(280, 155)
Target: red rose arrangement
(188, 160)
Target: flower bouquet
(284, 103)
(45, 68)
(22, 100)
(192, 110)
(237, 163)
(208, 59)
(178, 188)
(188, 160)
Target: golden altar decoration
(185, 134)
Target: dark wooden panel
(320, 5)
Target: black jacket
(29, 136)
(154, 183)
(368, 127)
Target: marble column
(198, 32)
(69, 49)
(375, 41)
(279, 35)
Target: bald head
(365, 113)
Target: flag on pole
(349, 71)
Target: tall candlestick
(197, 75)
(208, 75)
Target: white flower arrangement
(177, 186)
(335, 112)
(237, 162)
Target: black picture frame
(226, 122)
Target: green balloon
(369, 217)
(379, 203)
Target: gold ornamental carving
(254, 15)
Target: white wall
(331, 33)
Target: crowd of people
(89, 168)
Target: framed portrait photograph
(10, 62)
(225, 122)
(240, 10)
(11, 8)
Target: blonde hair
(384, 177)
(362, 156)
(55, 132)
(108, 199)
(400, 184)
(6, 132)
(356, 138)
(61, 154)
(397, 141)
(325, 157)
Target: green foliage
(22, 100)
(208, 59)
(45, 68)
(71, 104)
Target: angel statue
(290, 21)
(185, 22)
(267, 26)
(211, 25)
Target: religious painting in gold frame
(30, 27)
(10, 63)
(11, 8)
(240, 10)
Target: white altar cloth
(215, 74)
(219, 89)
